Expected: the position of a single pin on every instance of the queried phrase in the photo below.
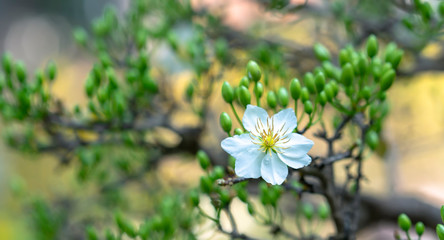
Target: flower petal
(247, 154)
(251, 115)
(294, 152)
(286, 119)
(273, 170)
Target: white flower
(269, 147)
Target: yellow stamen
(267, 138)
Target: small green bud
(242, 195)
(244, 82)
(91, 233)
(387, 80)
(194, 198)
(344, 57)
(238, 131)
(307, 210)
(250, 208)
(89, 87)
(225, 197)
(231, 161)
(283, 97)
(347, 74)
(441, 9)
(20, 71)
(131, 76)
(329, 69)
(426, 11)
(218, 172)
(149, 84)
(329, 92)
(102, 95)
(80, 36)
(442, 213)
(309, 82)
(244, 96)
(258, 90)
(376, 68)
(105, 60)
(334, 87)
(324, 211)
(295, 88)
(227, 92)
(51, 70)
(372, 139)
(395, 58)
(253, 71)
(205, 184)
(7, 63)
(404, 222)
(320, 82)
(382, 96)
(366, 92)
(190, 91)
(372, 46)
(419, 227)
(308, 107)
(362, 64)
(305, 95)
(440, 231)
(203, 159)
(271, 99)
(225, 122)
(321, 52)
(322, 98)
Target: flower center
(268, 138)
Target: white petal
(248, 156)
(294, 152)
(273, 170)
(251, 115)
(285, 118)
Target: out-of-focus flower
(269, 147)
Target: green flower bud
(362, 64)
(372, 139)
(376, 68)
(102, 95)
(131, 76)
(305, 95)
(334, 87)
(372, 46)
(271, 99)
(321, 52)
(91, 233)
(308, 107)
(20, 71)
(242, 195)
(244, 82)
(324, 211)
(258, 90)
(344, 57)
(205, 184)
(322, 98)
(347, 74)
(194, 198)
(105, 60)
(295, 88)
(366, 92)
(426, 11)
(149, 84)
(225, 122)
(231, 161)
(382, 96)
(244, 96)
(307, 210)
(329, 92)
(80, 36)
(254, 72)
(387, 80)
(309, 82)
(89, 87)
(320, 82)
(250, 208)
(404, 222)
(440, 231)
(190, 91)
(329, 69)
(441, 9)
(238, 131)
(227, 92)
(442, 213)
(419, 227)
(225, 197)
(7, 63)
(51, 70)
(218, 172)
(395, 58)
(203, 159)
(283, 97)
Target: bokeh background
(36, 31)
